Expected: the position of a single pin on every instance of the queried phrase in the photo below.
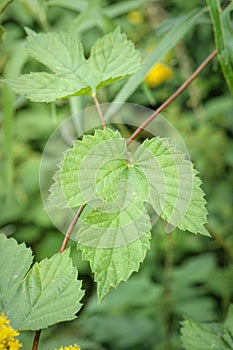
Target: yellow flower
(7, 335)
(135, 17)
(158, 75)
(71, 347)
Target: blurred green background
(183, 274)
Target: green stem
(173, 97)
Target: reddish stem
(36, 340)
(99, 111)
(172, 97)
(71, 228)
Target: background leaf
(207, 336)
(48, 294)
(196, 336)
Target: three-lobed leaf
(73, 74)
(98, 172)
(46, 294)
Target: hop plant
(7, 335)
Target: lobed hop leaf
(73, 74)
(98, 172)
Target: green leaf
(80, 166)
(112, 57)
(111, 226)
(174, 188)
(47, 87)
(95, 171)
(113, 265)
(99, 173)
(73, 74)
(205, 336)
(49, 293)
(196, 336)
(60, 52)
(228, 328)
(223, 37)
(12, 272)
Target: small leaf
(73, 74)
(49, 293)
(113, 265)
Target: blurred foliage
(183, 274)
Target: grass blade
(223, 32)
